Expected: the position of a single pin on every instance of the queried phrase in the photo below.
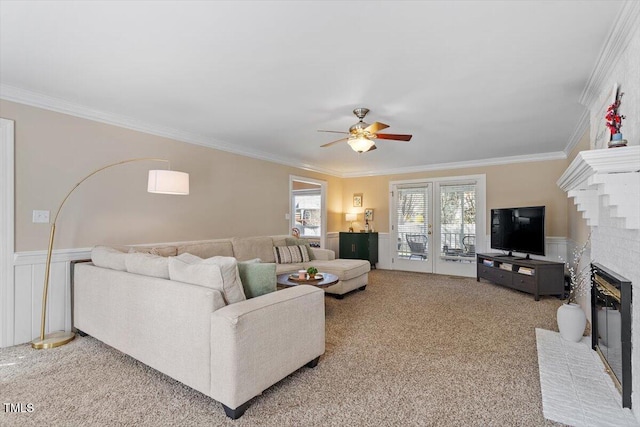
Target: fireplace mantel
(613, 174)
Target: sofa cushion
(233, 291)
(345, 269)
(280, 240)
(289, 268)
(155, 250)
(245, 248)
(147, 265)
(257, 278)
(292, 241)
(197, 273)
(207, 249)
(218, 272)
(106, 257)
(290, 254)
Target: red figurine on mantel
(614, 123)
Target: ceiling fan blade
(334, 142)
(395, 137)
(333, 131)
(375, 127)
(373, 147)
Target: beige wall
(231, 195)
(578, 231)
(521, 184)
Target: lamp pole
(56, 339)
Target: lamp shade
(360, 144)
(351, 217)
(168, 182)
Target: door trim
(323, 204)
(7, 221)
(481, 208)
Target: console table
(359, 246)
(528, 275)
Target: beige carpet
(413, 349)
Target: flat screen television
(518, 230)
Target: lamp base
(54, 339)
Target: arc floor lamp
(160, 182)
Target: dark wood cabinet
(528, 275)
(359, 246)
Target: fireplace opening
(611, 326)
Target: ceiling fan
(361, 135)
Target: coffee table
(328, 279)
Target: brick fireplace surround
(605, 186)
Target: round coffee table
(328, 279)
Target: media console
(528, 275)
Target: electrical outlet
(287, 216)
(41, 217)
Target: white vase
(571, 322)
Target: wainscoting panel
(333, 242)
(384, 254)
(27, 293)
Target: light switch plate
(41, 217)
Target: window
(308, 213)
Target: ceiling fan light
(360, 144)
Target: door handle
(353, 247)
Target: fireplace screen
(611, 326)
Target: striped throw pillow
(290, 254)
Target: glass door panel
(412, 227)
(457, 229)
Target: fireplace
(611, 326)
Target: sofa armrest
(323, 254)
(257, 342)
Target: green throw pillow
(292, 241)
(257, 278)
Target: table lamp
(351, 217)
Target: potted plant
(571, 317)
(312, 271)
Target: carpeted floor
(413, 349)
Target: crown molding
(626, 24)
(34, 99)
(578, 131)
(541, 157)
(39, 100)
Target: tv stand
(527, 275)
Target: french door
(437, 224)
(412, 226)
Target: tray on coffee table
(292, 280)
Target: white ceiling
(470, 80)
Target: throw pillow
(106, 257)
(197, 273)
(219, 273)
(290, 254)
(257, 278)
(292, 241)
(147, 265)
(233, 291)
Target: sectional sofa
(205, 333)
